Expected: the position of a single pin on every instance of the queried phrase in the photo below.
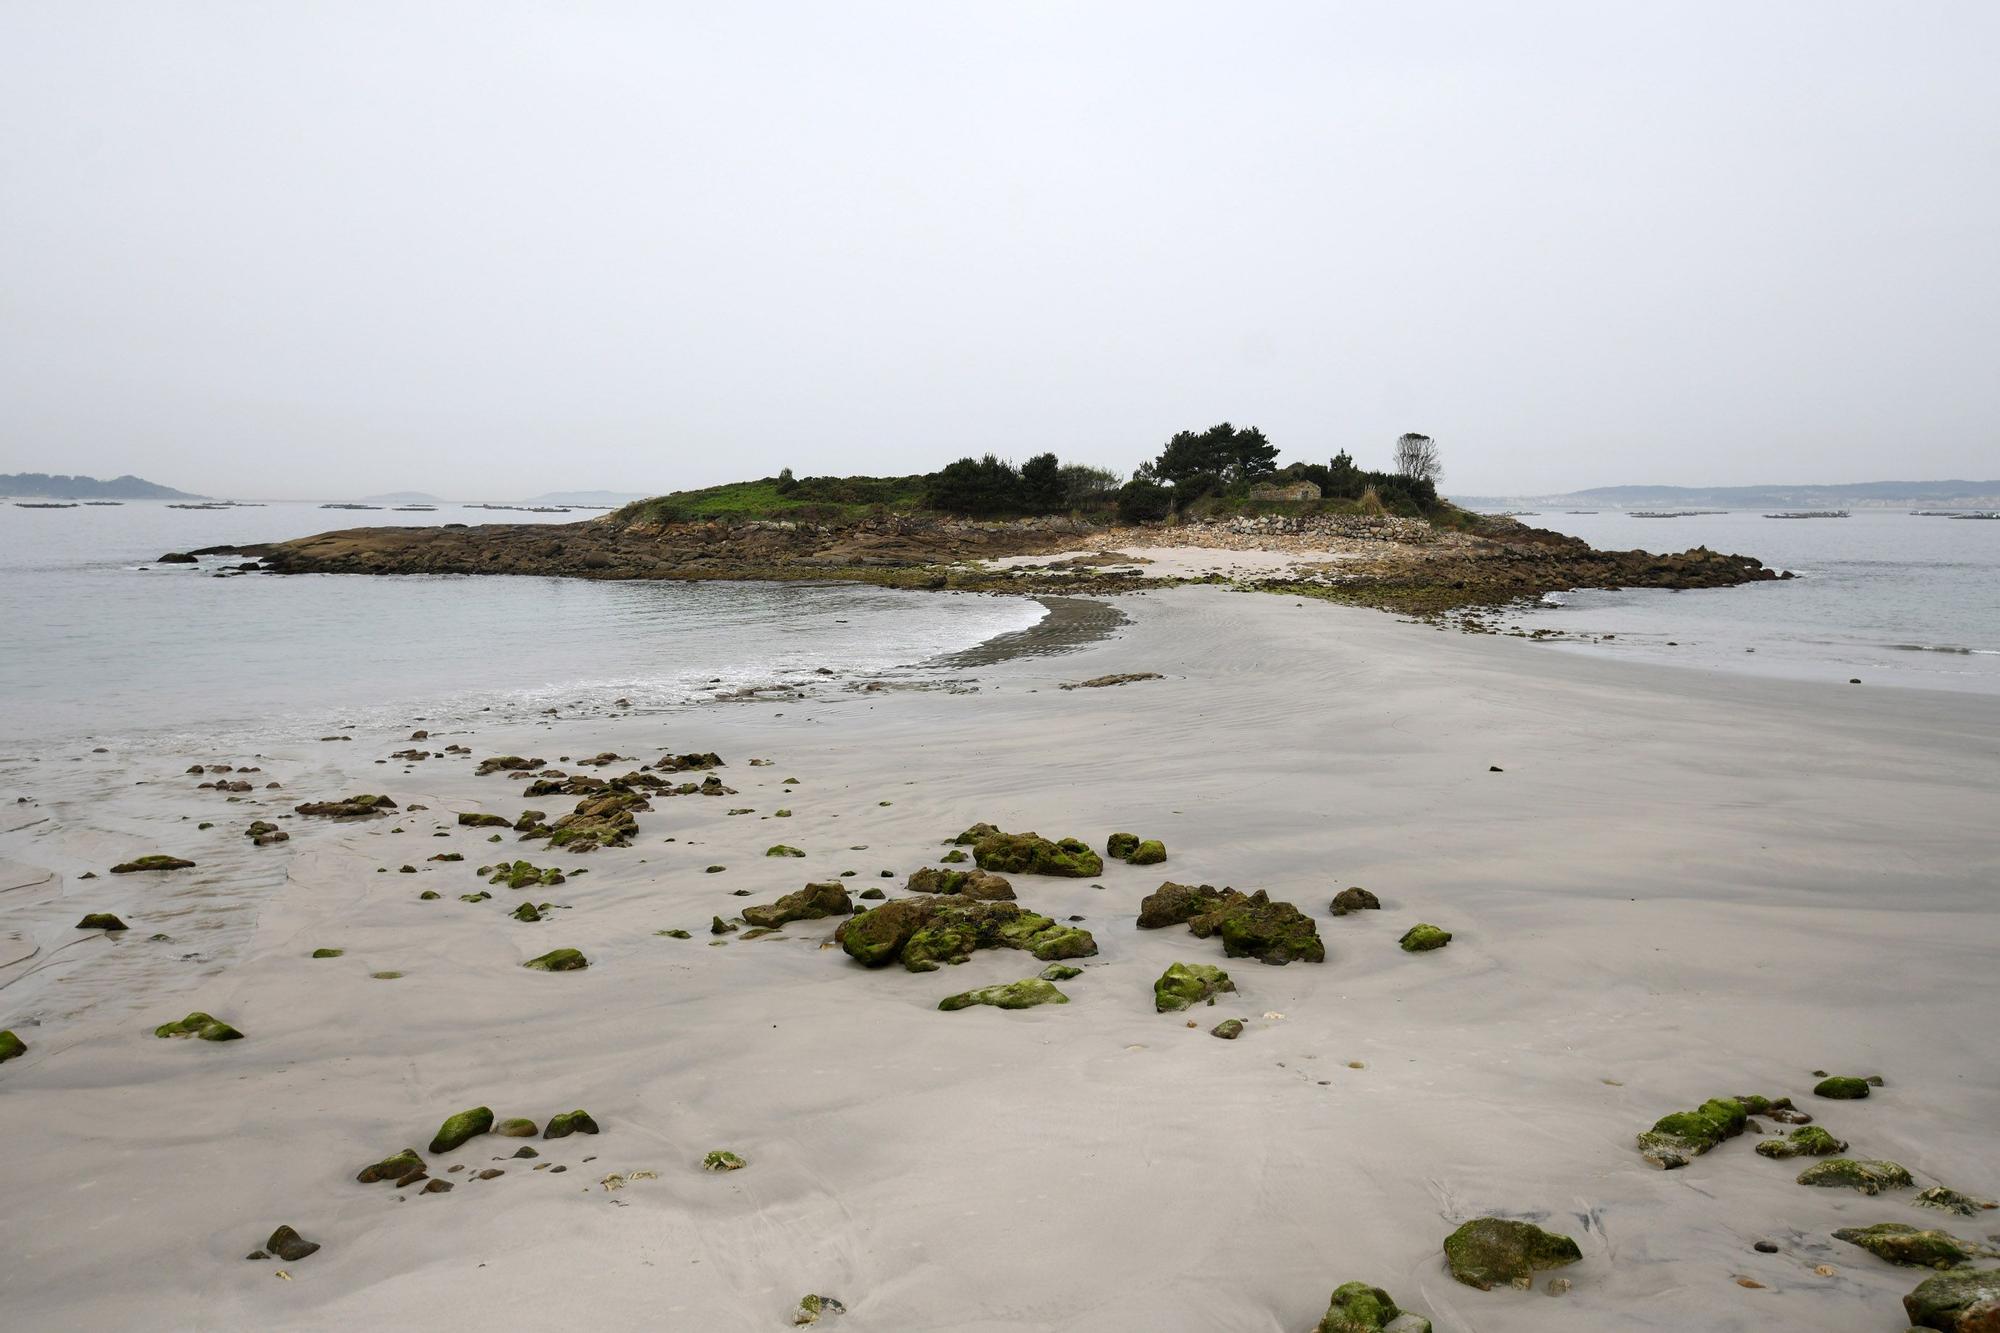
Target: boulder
(1947, 1200)
(1910, 1246)
(811, 903)
(1120, 845)
(1176, 904)
(1059, 972)
(1860, 1173)
(507, 763)
(1842, 1089)
(1032, 854)
(1808, 1141)
(402, 1166)
(199, 1025)
(977, 884)
(469, 819)
(348, 807)
(1183, 985)
(289, 1245)
(1357, 1307)
(11, 1046)
(328, 953)
(1423, 937)
(1150, 852)
(1965, 1301)
(523, 875)
(559, 960)
(1257, 927)
(457, 1129)
(1229, 1029)
(925, 933)
(155, 862)
(566, 1123)
(605, 820)
(101, 921)
(1678, 1138)
(1024, 994)
(1356, 899)
(516, 1127)
(1489, 1251)
(781, 849)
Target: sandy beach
(1663, 886)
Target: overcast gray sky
(490, 249)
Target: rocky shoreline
(1403, 565)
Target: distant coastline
(55, 486)
(1952, 493)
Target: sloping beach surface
(1675, 886)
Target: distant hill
(1808, 495)
(400, 498)
(59, 487)
(584, 498)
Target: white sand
(1681, 886)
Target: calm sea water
(100, 643)
(1891, 598)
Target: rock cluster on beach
(926, 933)
(1249, 925)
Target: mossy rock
(813, 902)
(1060, 972)
(1357, 1307)
(1947, 1200)
(1493, 1251)
(1356, 899)
(11, 1046)
(458, 1128)
(328, 953)
(979, 884)
(470, 820)
(1229, 1029)
(1148, 853)
(1964, 1301)
(447, 856)
(347, 807)
(723, 1160)
(871, 894)
(429, 895)
(1120, 845)
(155, 862)
(953, 857)
(479, 897)
(1676, 1139)
(101, 921)
(1024, 994)
(676, 934)
(1257, 926)
(399, 1167)
(811, 1307)
(516, 1127)
(1032, 854)
(717, 926)
(780, 849)
(1423, 937)
(559, 960)
(927, 933)
(1183, 985)
(524, 875)
(1176, 904)
(1910, 1246)
(1807, 1141)
(975, 834)
(201, 1026)
(1868, 1175)
(566, 1123)
(1842, 1089)
(526, 912)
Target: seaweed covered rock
(977, 884)
(262, 833)
(1964, 1301)
(1779, 1109)
(1356, 899)
(1868, 1175)
(508, 763)
(813, 1307)
(605, 820)
(1059, 972)
(1229, 1029)
(1423, 937)
(1842, 1089)
(1032, 854)
(1807, 1141)
(1256, 926)
(154, 862)
(1910, 1246)
(1357, 1307)
(782, 849)
(1184, 985)
(522, 875)
(808, 904)
(1678, 1138)
(1024, 994)
(456, 1129)
(328, 953)
(516, 1127)
(405, 1165)
(1176, 904)
(565, 1123)
(469, 819)
(199, 1025)
(1490, 1251)
(559, 960)
(348, 807)
(1149, 852)
(723, 1160)
(1121, 845)
(101, 921)
(11, 1046)
(925, 933)
(1947, 1200)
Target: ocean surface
(1892, 598)
(101, 643)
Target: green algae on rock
(1489, 1251)
(979, 884)
(1030, 854)
(723, 1160)
(155, 862)
(811, 1307)
(811, 903)
(101, 921)
(1356, 899)
(526, 912)
(565, 1123)
(1060, 972)
(1024, 994)
(1842, 1089)
(328, 953)
(1357, 1307)
(522, 875)
(1868, 1175)
(1965, 1300)
(199, 1025)
(1681, 1136)
(458, 1128)
(559, 960)
(1183, 985)
(926, 933)
(403, 1166)
(1947, 1200)
(1259, 927)
(472, 820)
(1910, 1246)
(1423, 937)
(1150, 852)
(11, 1046)
(347, 807)
(516, 1127)
(781, 849)
(1121, 845)
(1807, 1141)
(1229, 1029)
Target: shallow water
(101, 643)
(1889, 597)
